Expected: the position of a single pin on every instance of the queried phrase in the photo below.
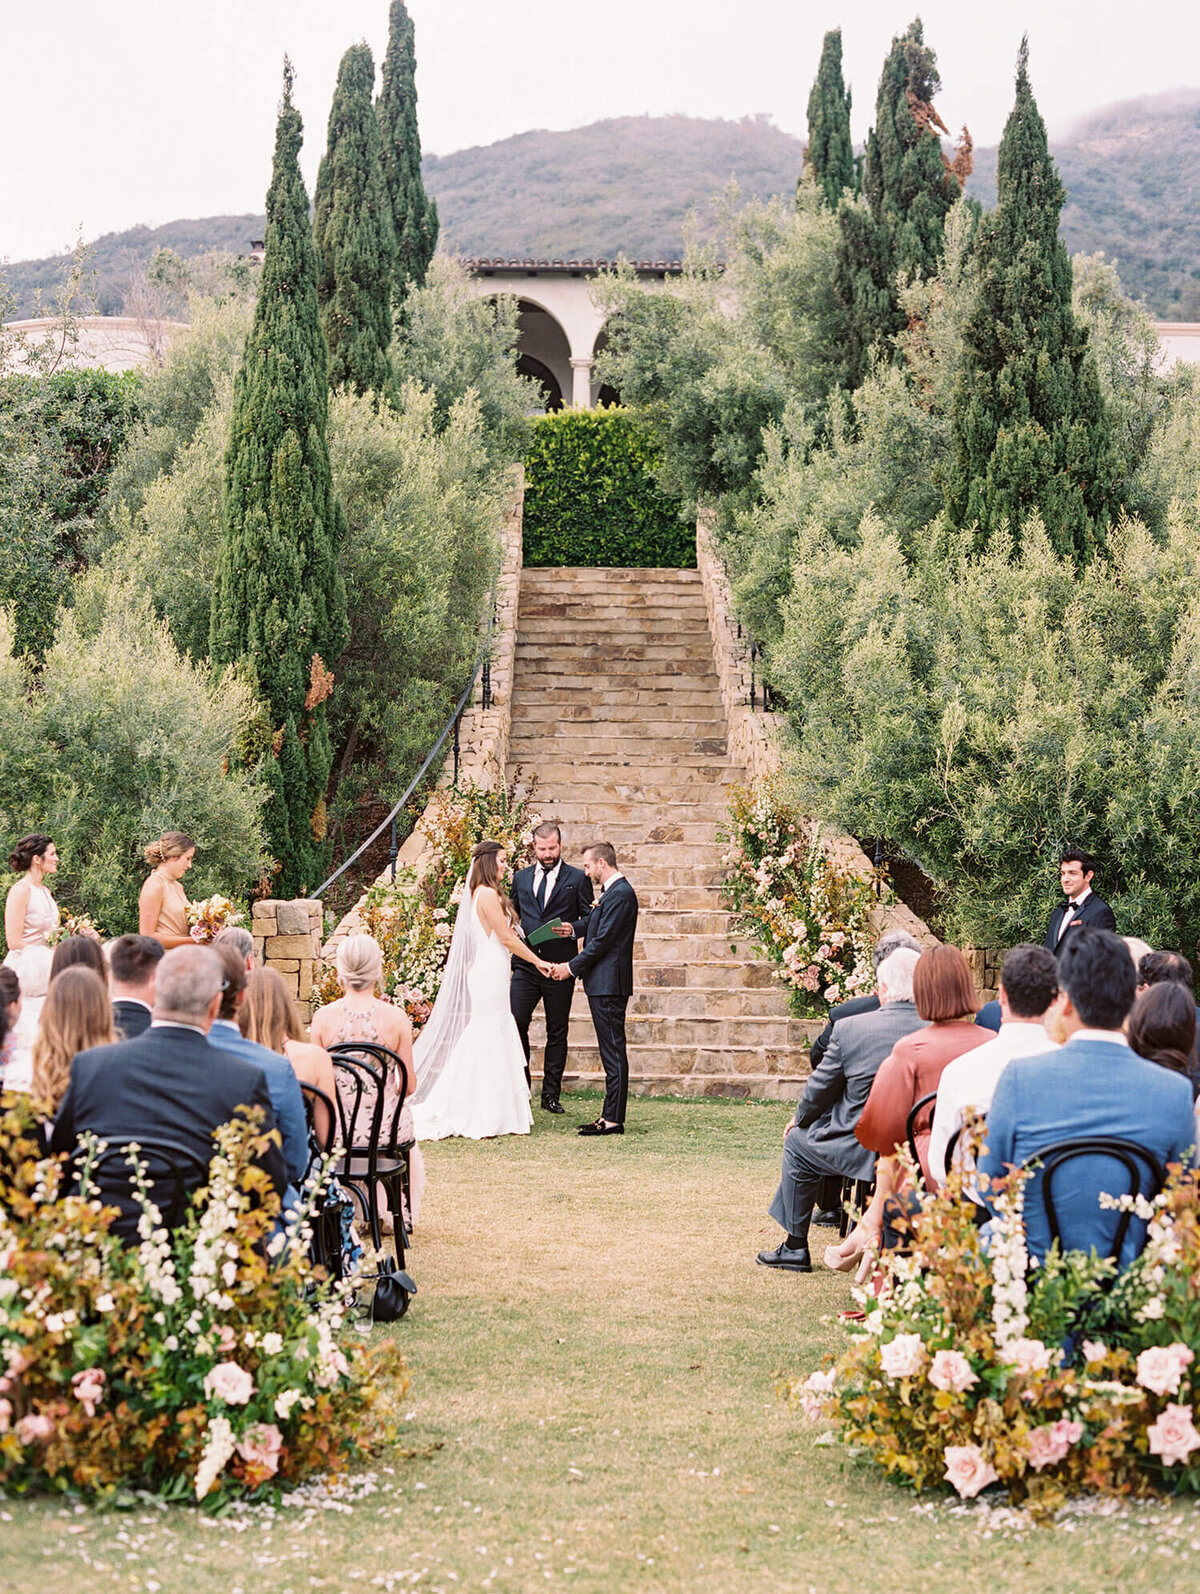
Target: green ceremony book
(546, 933)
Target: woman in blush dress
(163, 904)
(30, 917)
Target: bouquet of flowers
(205, 1362)
(75, 924)
(810, 917)
(975, 1368)
(210, 915)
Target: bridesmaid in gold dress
(163, 904)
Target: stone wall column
(581, 382)
(287, 938)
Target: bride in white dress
(469, 1061)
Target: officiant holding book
(549, 896)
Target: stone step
(650, 875)
(687, 948)
(666, 1062)
(683, 921)
(698, 1002)
(581, 651)
(726, 973)
(579, 694)
(600, 736)
(620, 630)
(583, 794)
(665, 674)
(707, 1034)
(684, 899)
(596, 618)
(610, 575)
(590, 815)
(554, 774)
(569, 745)
(533, 717)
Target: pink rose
(260, 1446)
(1160, 1368)
(814, 1393)
(226, 1339)
(952, 1371)
(230, 1383)
(1094, 1350)
(1051, 1442)
(5, 1415)
(903, 1356)
(1173, 1436)
(1028, 1355)
(968, 1470)
(88, 1387)
(38, 1427)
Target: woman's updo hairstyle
(360, 962)
(171, 844)
(26, 850)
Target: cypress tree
(414, 216)
(829, 159)
(1029, 422)
(355, 239)
(278, 599)
(908, 187)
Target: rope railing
(483, 666)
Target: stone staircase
(617, 711)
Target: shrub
(591, 496)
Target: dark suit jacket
(606, 962)
(837, 1091)
(1095, 913)
(856, 1004)
(167, 1086)
(131, 1018)
(571, 900)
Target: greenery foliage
(122, 739)
(829, 158)
(279, 600)
(591, 497)
(414, 217)
(354, 235)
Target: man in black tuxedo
(548, 889)
(606, 964)
(132, 966)
(1081, 905)
(168, 1086)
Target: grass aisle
(593, 1350)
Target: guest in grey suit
(820, 1139)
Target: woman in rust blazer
(944, 993)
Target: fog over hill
(1132, 173)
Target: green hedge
(591, 497)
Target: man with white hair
(820, 1140)
(167, 1087)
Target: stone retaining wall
(755, 736)
(287, 938)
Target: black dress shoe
(824, 1220)
(783, 1256)
(552, 1105)
(601, 1128)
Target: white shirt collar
(1115, 1037)
(611, 881)
(551, 874)
(1082, 897)
(172, 1023)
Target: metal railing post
(457, 722)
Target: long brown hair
(77, 1014)
(268, 1014)
(1162, 1026)
(485, 873)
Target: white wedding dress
(469, 1062)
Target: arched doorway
(602, 393)
(552, 398)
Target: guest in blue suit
(1094, 1085)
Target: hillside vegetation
(1132, 173)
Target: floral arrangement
(973, 1368)
(413, 918)
(75, 924)
(210, 915)
(809, 916)
(202, 1363)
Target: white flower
(218, 1447)
(104, 1303)
(272, 1344)
(55, 1323)
(1153, 1310)
(285, 1402)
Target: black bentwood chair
(1135, 1161)
(910, 1128)
(326, 1220)
(171, 1175)
(375, 1156)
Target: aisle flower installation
(810, 917)
(203, 1364)
(972, 1369)
(413, 919)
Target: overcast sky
(148, 110)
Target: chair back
(171, 1174)
(319, 1145)
(385, 1065)
(910, 1127)
(1133, 1160)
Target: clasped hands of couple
(558, 971)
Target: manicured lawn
(593, 1407)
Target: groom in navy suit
(548, 889)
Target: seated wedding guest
(1028, 986)
(944, 996)
(1161, 1026)
(1138, 949)
(268, 1016)
(10, 1013)
(167, 1085)
(76, 951)
(890, 941)
(1095, 1085)
(359, 1015)
(132, 966)
(281, 1080)
(1081, 906)
(76, 1015)
(1159, 968)
(820, 1140)
(163, 903)
(241, 940)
